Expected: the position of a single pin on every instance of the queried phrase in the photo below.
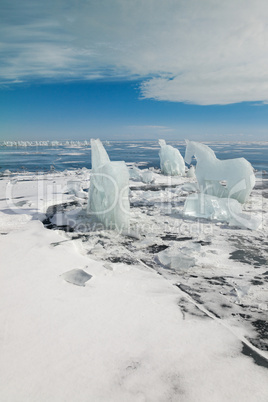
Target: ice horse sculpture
(237, 174)
(108, 198)
(171, 161)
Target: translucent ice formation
(75, 187)
(171, 161)
(221, 209)
(77, 277)
(176, 258)
(145, 175)
(109, 186)
(135, 173)
(221, 178)
(191, 172)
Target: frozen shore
(140, 329)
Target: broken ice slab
(221, 209)
(135, 173)
(178, 258)
(145, 175)
(75, 187)
(171, 161)
(76, 277)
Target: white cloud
(197, 51)
(207, 88)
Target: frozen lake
(174, 309)
(145, 153)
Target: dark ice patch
(189, 308)
(248, 253)
(20, 203)
(152, 187)
(216, 280)
(212, 311)
(156, 248)
(124, 260)
(76, 277)
(212, 282)
(53, 209)
(245, 316)
(258, 359)
(261, 327)
(170, 236)
(261, 340)
(249, 256)
(256, 282)
(191, 292)
(65, 228)
(203, 242)
(151, 264)
(224, 305)
(48, 225)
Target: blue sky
(118, 69)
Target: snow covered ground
(173, 310)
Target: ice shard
(177, 258)
(109, 187)
(228, 210)
(171, 161)
(231, 178)
(191, 172)
(144, 175)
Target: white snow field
(173, 310)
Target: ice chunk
(220, 209)
(178, 258)
(241, 293)
(135, 173)
(75, 187)
(191, 172)
(221, 178)
(171, 161)
(109, 189)
(77, 277)
(145, 175)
